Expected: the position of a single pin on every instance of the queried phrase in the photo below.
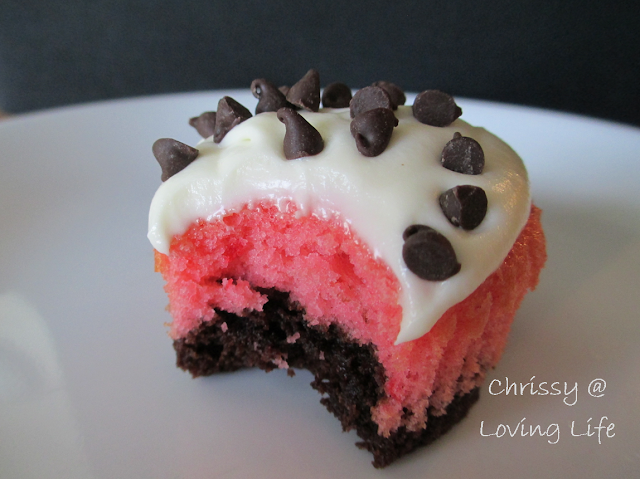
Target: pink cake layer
(333, 275)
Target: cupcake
(383, 247)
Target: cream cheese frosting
(377, 197)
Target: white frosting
(378, 197)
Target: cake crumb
(293, 338)
(281, 363)
(224, 327)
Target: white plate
(88, 385)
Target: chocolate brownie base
(347, 374)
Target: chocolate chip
(284, 89)
(173, 156)
(204, 124)
(435, 108)
(336, 95)
(230, 113)
(368, 98)
(269, 97)
(413, 229)
(372, 130)
(306, 93)
(301, 139)
(428, 254)
(463, 155)
(396, 94)
(464, 206)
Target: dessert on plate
(383, 247)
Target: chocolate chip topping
(336, 95)
(173, 156)
(464, 206)
(301, 139)
(372, 130)
(396, 94)
(463, 155)
(428, 254)
(368, 98)
(284, 89)
(269, 97)
(306, 93)
(230, 113)
(204, 124)
(435, 108)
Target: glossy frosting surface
(376, 197)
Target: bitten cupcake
(383, 247)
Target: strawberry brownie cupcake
(383, 247)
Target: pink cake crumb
(325, 268)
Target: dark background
(581, 57)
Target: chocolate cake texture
(347, 374)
